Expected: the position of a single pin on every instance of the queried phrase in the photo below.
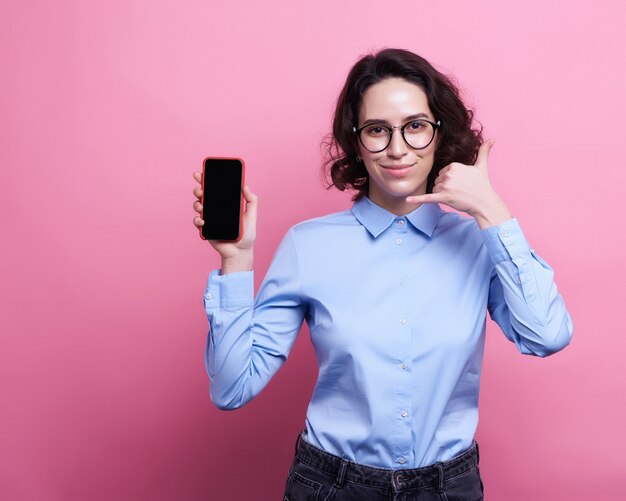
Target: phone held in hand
(222, 198)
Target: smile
(397, 170)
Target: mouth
(397, 170)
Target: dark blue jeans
(316, 475)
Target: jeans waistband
(344, 469)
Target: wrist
(492, 214)
(239, 262)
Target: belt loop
(440, 468)
(477, 453)
(341, 476)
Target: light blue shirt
(396, 307)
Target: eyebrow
(380, 120)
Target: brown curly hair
(457, 141)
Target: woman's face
(399, 170)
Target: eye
(376, 130)
(416, 126)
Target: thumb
(483, 153)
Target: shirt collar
(376, 219)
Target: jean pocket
(466, 486)
(300, 488)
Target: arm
(523, 298)
(250, 340)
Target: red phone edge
(243, 182)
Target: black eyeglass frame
(436, 125)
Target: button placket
(400, 244)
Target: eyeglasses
(418, 134)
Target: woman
(395, 292)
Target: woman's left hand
(467, 188)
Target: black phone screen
(222, 198)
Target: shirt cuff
(233, 290)
(505, 241)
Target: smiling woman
(395, 86)
(400, 348)
(395, 167)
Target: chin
(401, 191)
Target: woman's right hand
(234, 254)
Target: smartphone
(222, 198)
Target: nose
(397, 147)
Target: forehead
(393, 99)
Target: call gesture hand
(467, 188)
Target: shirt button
(403, 320)
(401, 281)
(399, 241)
(404, 366)
(400, 221)
(505, 233)
(404, 413)
(401, 460)
(209, 296)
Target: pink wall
(108, 107)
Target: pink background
(108, 107)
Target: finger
(444, 170)
(438, 180)
(198, 221)
(197, 191)
(252, 202)
(197, 176)
(249, 196)
(442, 173)
(197, 206)
(483, 153)
(424, 199)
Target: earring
(358, 159)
